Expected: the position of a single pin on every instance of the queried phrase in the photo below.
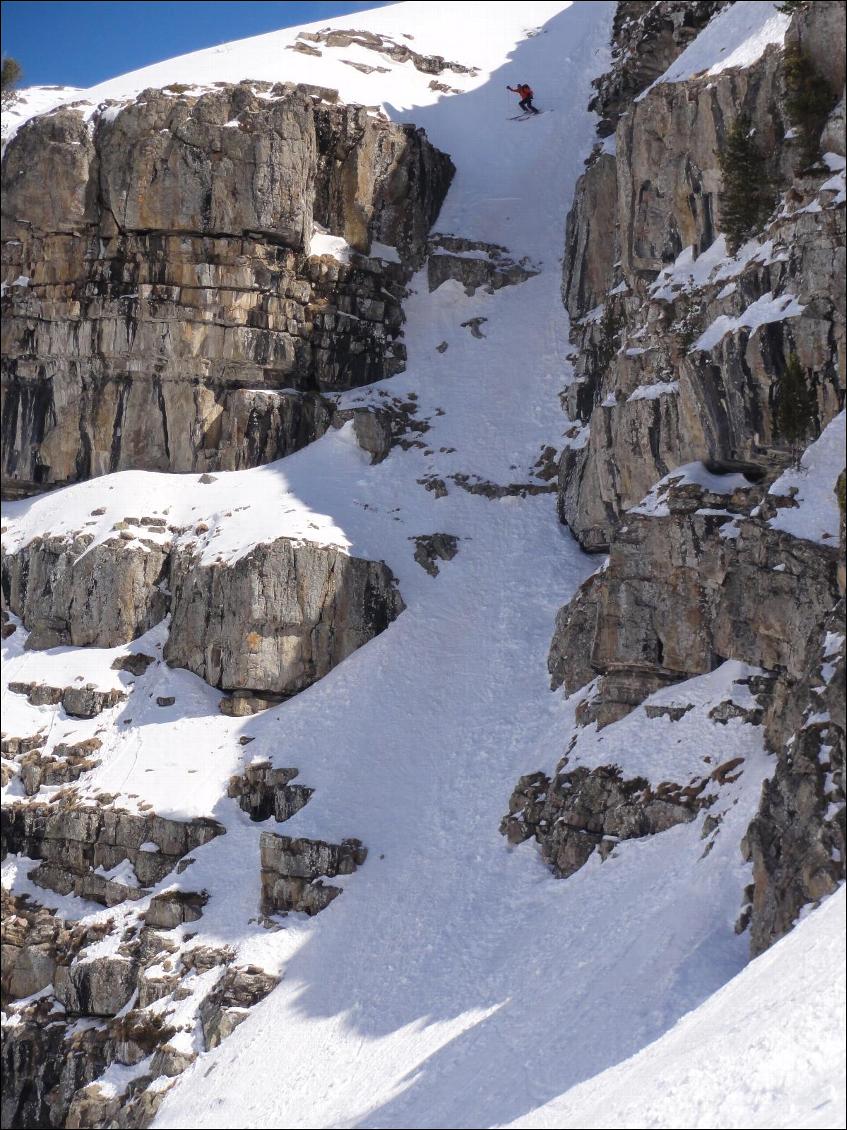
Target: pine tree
(808, 101)
(794, 404)
(10, 75)
(747, 197)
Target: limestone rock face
(100, 987)
(170, 295)
(69, 592)
(51, 1062)
(685, 591)
(796, 842)
(278, 618)
(674, 364)
(77, 844)
(175, 165)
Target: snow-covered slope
(735, 1061)
(455, 982)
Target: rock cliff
(678, 440)
(192, 279)
(680, 345)
(171, 298)
(189, 279)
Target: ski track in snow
(455, 982)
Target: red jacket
(524, 90)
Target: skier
(527, 96)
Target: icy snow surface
(812, 484)
(736, 37)
(732, 1062)
(455, 982)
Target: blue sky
(79, 44)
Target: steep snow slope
(734, 1061)
(455, 982)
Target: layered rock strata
(293, 871)
(74, 1013)
(78, 845)
(275, 620)
(163, 307)
(680, 346)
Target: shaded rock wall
(158, 276)
(797, 842)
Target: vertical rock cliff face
(166, 306)
(673, 460)
(680, 345)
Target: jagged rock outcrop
(432, 548)
(79, 846)
(263, 791)
(274, 621)
(293, 871)
(84, 701)
(474, 264)
(119, 975)
(65, 763)
(227, 1005)
(586, 810)
(681, 352)
(380, 44)
(797, 842)
(279, 617)
(68, 591)
(162, 308)
(125, 999)
(685, 589)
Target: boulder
(278, 618)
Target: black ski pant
(527, 106)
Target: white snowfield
(815, 515)
(736, 37)
(455, 982)
(735, 1060)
